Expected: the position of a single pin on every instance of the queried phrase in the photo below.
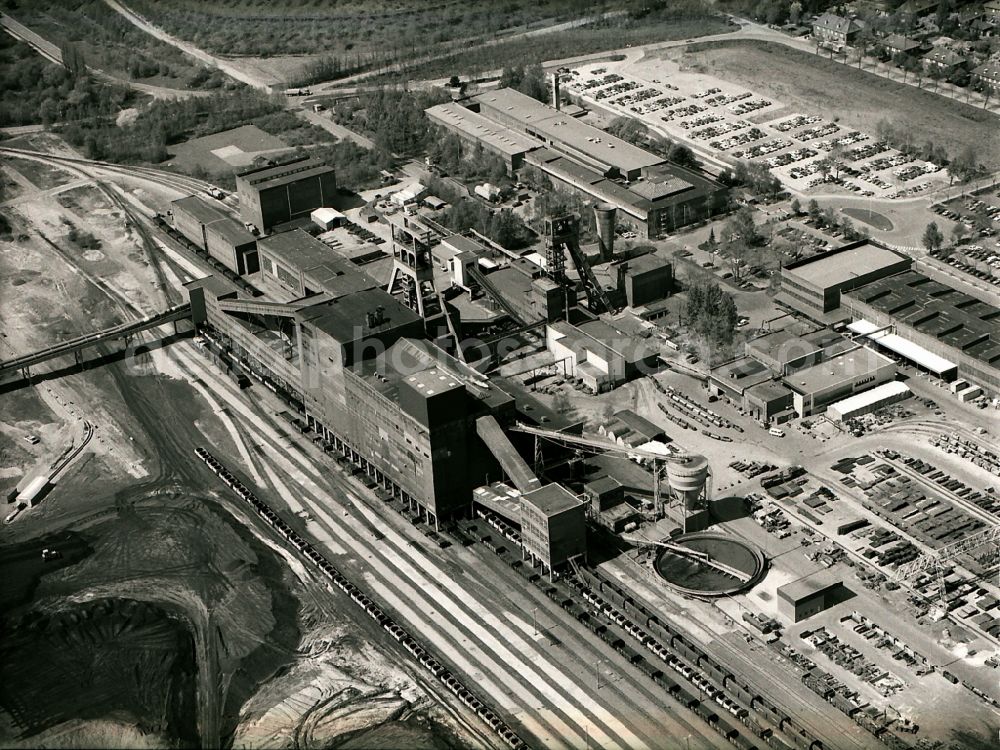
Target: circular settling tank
(709, 565)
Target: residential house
(944, 59)
(988, 74)
(896, 44)
(832, 30)
(991, 10)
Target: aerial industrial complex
(688, 462)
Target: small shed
(327, 218)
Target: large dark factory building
(366, 381)
(274, 195)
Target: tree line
(392, 117)
(167, 121)
(638, 134)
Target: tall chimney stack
(556, 98)
(605, 213)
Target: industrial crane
(937, 561)
(690, 471)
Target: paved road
(325, 121)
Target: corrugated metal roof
(903, 347)
(870, 398)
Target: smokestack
(605, 215)
(556, 98)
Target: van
(776, 432)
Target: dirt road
(234, 71)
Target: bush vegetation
(352, 30)
(681, 20)
(503, 226)
(392, 117)
(108, 41)
(637, 133)
(35, 90)
(168, 121)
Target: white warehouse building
(869, 401)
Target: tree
(741, 226)
(561, 403)
(628, 129)
(813, 210)
(506, 229)
(958, 233)
(710, 315)
(796, 206)
(681, 155)
(511, 76)
(965, 166)
(837, 158)
(533, 83)
(932, 239)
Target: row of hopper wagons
(667, 645)
(444, 675)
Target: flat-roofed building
(782, 351)
(665, 198)
(653, 196)
(305, 265)
(931, 317)
(507, 143)
(599, 354)
(644, 279)
(816, 387)
(869, 401)
(278, 194)
(612, 156)
(217, 233)
(813, 286)
(731, 379)
(809, 595)
(768, 402)
(553, 526)
(603, 493)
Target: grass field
(221, 153)
(857, 98)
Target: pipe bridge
(75, 346)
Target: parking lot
(979, 253)
(806, 151)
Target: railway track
(315, 559)
(179, 182)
